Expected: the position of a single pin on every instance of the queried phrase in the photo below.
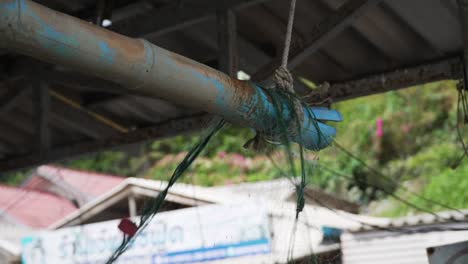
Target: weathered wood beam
(322, 34)
(69, 6)
(81, 81)
(42, 111)
(163, 130)
(11, 97)
(77, 118)
(445, 69)
(63, 109)
(13, 138)
(174, 17)
(24, 67)
(227, 41)
(65, 112)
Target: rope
(282, 77)
(287, 41)
(285, 82)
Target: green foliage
(15, 178)
(231, 139)
(429, 173)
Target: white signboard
(449, 254)
(183, 236)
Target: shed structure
(360, 47)
(403, 240)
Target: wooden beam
(11, 97)
(13, 139)
(76, 117)
(174, 17)
(66, 112)
(227, 40)
(24, 67)
(132, 206)
(250, 56)
(42, 111)
(321, 35)
(445, 69)
(162, 130)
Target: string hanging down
(283, 78)
(287, 40)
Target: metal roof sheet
(360, 47)
(33, 208)
(444, 217)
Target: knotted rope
(283, 89)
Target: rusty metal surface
(393, 80)
(144, 68)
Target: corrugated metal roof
(394, 248)
(90, 183)
(33, 208)
(378, 37)
(78, 186)
(455, 216)
(403, 240)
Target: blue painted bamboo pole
(143, 68)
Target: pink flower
(222, 154)
(379, 132)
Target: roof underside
(360, 47)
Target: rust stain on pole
(143, 68)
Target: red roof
(89, 183)
(43, 199)
(33, 208)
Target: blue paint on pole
(63, 47)
(223, 94)
(10, 6)
(49, 37)
(241, 103)
(106, 52)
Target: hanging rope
(284, 82)
(282, 94)
(282, 77)
(287, 40)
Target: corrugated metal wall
(391, 248)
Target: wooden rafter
(323, 32)
(162, 130)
